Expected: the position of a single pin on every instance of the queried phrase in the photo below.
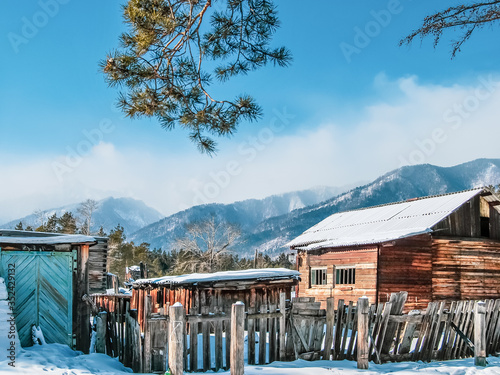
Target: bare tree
(41, 217)
(467, 17)
(204, 245)
(86, 211)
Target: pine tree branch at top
(162, 62)
(465, 17)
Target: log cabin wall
(465, 269)
(406, 265)
(362, 259)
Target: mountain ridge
(130, 213)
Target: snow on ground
(57, 359)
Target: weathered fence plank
(479, 334)
(237, 339)
(282, 327)
(363, 333)
(176, 339)
(330, 321)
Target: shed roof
(384, 223)
(40, 238)
(226, 276)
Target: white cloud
(409, 123)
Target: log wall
(465, 269)
(407, 265)
(364, 259)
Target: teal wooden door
(43, 294)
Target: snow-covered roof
(207, 278)
(383, 223)
(47, 240)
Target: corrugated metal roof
(202, 278)
(382, 223)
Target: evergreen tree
(66, 223)
(19, 226)
(50, 225)
(101, 232)
(162, 63)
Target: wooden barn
(444, 247)
(49, 274)
(201, 293)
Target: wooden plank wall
(97, 264)
(465, 269)
(494, 224)
(198, 300)
(464, 222)
(364, 259)
(407, 265)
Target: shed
(209, 292)
(47, 275)
(444, 247)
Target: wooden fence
(296, 329)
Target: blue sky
(331, 118)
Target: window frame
(345, 275)
(324, 276)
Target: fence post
(363, 327)
(176, 339)
(330, 320)
(282, 320)
(101, 323)
(148, 302)
(479, 334)
(237, 338)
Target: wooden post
(100, 341)
(479, 334)
(116, 287)
(142, 270)
(148, 301)
(282, 320)
(81, 310)
(363, 334)
(330, 320)
(237, 338)
(176, 339)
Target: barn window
(318, 276)
(345, 276)
(485, 226)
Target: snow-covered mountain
(267, 225)
(248, 214)
(404, 183)
(130, 213)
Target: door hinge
(75, 261)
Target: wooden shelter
(47, 274)
(202, 293)
(444, 247)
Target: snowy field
(61, 360)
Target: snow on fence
(297, 329)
